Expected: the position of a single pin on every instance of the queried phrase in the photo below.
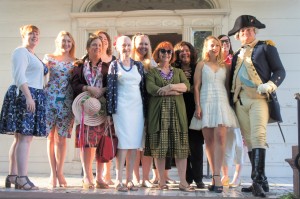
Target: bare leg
(146, 166)
(60, 148)
(136, 168)
(225, 177)
(160, 167)
(120, 160)
(181, 167)
(107, 174)
(51, 158)
(130, 164)
(208, 135)
(236, 176)
(12, 169)
(99, 172)
(87, 156)
(22, 154)
(219, 149)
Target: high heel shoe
(234, 185)
(28, 185)
(225, 182)
(8, 180)
(217, 189)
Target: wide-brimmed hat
(245, 21)
(91, 109)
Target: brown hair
(109, 48)
(28, 28)
(88, 44)
(163, 45)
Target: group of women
(147, 100)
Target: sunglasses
(164, 51)
(226, 41)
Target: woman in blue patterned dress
(23, 109)
(59, 96)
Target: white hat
(91, 107)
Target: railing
(297, 97)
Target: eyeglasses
(226, 41)
(164, 51)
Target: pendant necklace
(131, 65)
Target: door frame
(184, 22)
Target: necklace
(166, 76)
(131, 65)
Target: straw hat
(91, 106)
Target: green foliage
(289, 196)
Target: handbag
(195, 124)
(274, 108)
(107, 147)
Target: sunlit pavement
(278, 187)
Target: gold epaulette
(270, 42)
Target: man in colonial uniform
(256, 73)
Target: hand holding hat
(88, 107)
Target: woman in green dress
(167, 121)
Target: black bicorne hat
(245, 21)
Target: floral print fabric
(15, 118)
(59, 95)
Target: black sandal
(23, 186)
(8, 180)
(217, 189)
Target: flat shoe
(232, 185)
(101, 185)
(147, 184)
(164, 187)
(131, 186)
(186, 189)
(120, 187)
(87, 185)
(170, 181)
(200, 185)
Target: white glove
(268, 87)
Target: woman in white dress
(125, 95)
(212, 106)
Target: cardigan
(154, 82)
(112, 86)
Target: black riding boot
(248, 189)
(258, 172)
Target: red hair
(163, 45)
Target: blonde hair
(205, 57)
(28, 28)
(135, 54)
(57, 40)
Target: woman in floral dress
(59, 96)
